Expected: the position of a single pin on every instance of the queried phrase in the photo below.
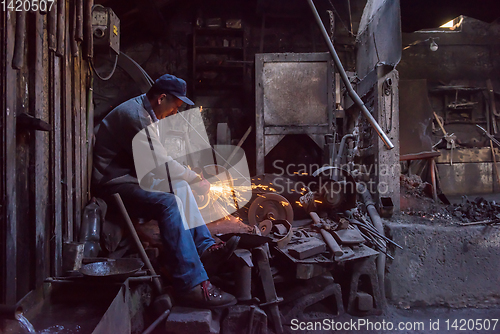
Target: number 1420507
(27, 5)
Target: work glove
(200, 185)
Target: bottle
(90, 229)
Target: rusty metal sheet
(476, 154)
(379, 36)
(295, 93)
(466, 178)
(415, 117)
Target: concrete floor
(442, 320)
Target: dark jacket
(113, 154)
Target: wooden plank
(67, 141)
(83, 131)
(52, 26)
(41, 154)
(25, 176)
(3, 224)
(79, 20)
(87, 29)
(56, 148)
(9, 271)
(62, 25)
(72, 38)
(259, 114)
(77, 157)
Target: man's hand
(200, 185)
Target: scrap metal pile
(305, 228)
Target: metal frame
(268, 136)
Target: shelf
(217, 49)
(206, 86)
(218, 31)
(210, 56)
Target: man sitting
(188, 252)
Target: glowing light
(448, 24)
(222, 198)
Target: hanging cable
(98, 75)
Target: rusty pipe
(338, 158)
(10, 311)
(354, 96)
(162, 317)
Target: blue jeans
(182, 247)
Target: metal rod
(372, 229)
(138, 243)
(242, 140)
(489, 136)
(156, 322)
(354, 96)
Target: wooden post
(41, 154)
(8, 161)
(61, 27)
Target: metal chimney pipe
(354, 96)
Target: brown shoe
(206, 295)
(217, 254)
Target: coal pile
(475, 210)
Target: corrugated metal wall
(43, 175)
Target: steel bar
(354, 96)
(489, 136)
(376, 243)
(489, 221)
(156, 322)
(354, 221)
(138, 243)
(242, 140)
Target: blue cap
(173, 85)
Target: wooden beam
(62, 24)
(67, 140)
(41, 154)
(8, 161)
(77, 153)
(56, 163)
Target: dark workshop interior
(354, 150)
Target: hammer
(330, 241)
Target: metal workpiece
(354, 96)
(243, 270)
